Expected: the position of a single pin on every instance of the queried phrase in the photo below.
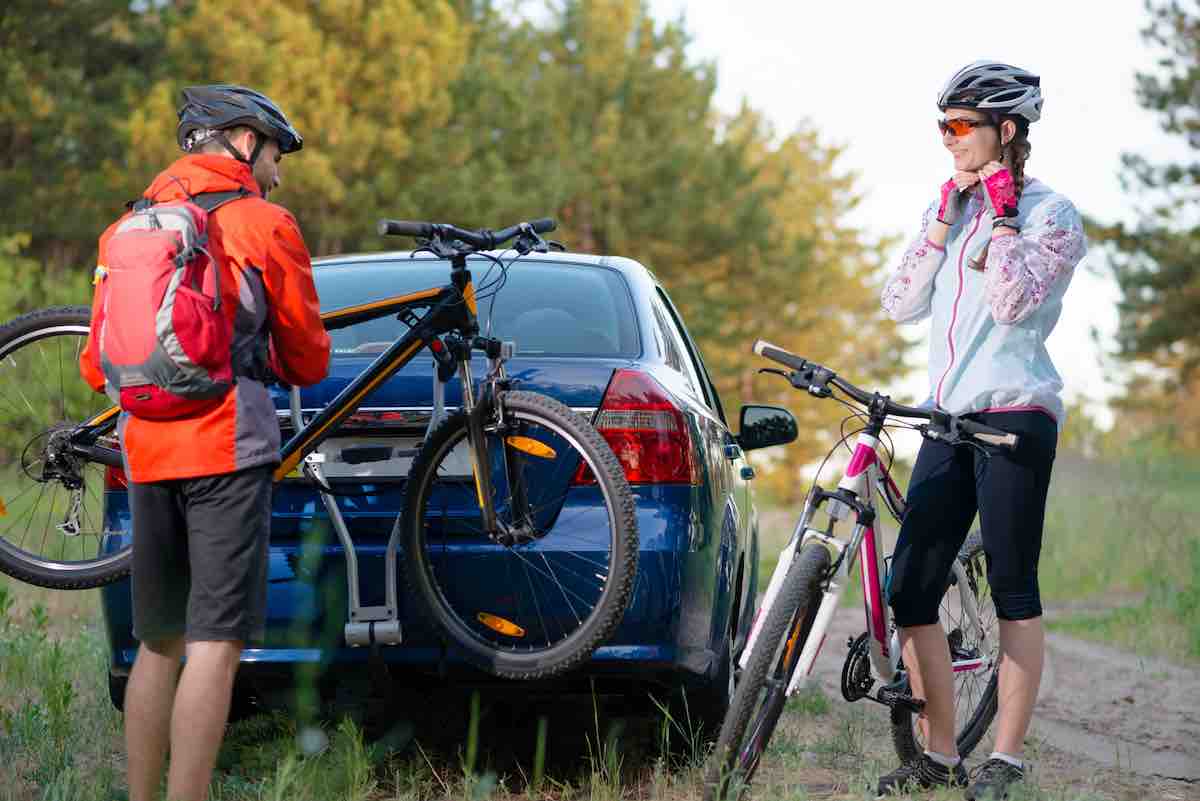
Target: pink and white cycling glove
(1000, 197)
(951, 203)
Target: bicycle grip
(778, 354)
(543, 226)
(422, 230)
(992, 436)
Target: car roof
(626, 266)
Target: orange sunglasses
(961, 126)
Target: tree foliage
(592, 112)
(1157, 260)
(67, 72)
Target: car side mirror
(764, 426)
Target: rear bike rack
(368, 625)
(376, 625)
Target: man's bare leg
(149, 697)
(198, 721)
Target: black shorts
(200, 556)
(949, 485)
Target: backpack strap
(211, 201)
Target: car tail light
(115, 479)
(647, 432)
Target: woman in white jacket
(991, 264)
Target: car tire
(701, 710)
(116, 691)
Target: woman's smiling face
(975, 148)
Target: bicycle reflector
(647, 432)
(499, 624)
(531, 446)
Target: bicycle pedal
(899, 699)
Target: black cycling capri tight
(949, 484)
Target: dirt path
(1136, 713)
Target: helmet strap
(233, 151)
(259, 141)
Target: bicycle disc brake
(856, 673)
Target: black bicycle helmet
(207, 110)
(994, 87)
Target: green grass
(61, 740)
(1121, 541)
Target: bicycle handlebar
(816, 379)
(481, 239)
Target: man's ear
(249, 140)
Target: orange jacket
(268, 294)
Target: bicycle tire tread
(800, 587)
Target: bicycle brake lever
(773, 370)
(938, 434)
(556, 245)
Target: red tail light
(647, 432)
(115, 479)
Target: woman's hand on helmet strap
(965, 180)
(951, 203)
(999, 190)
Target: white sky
(867, 74)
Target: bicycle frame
(864, 478)
(449, 308)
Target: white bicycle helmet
(994, 87)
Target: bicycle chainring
(856, 673)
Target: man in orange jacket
(200, 487)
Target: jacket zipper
(954, 311)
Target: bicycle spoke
(26, 515)
(538, 607)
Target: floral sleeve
(907, 292)
(1025, 270)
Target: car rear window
(547, 308)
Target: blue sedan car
(594, 332)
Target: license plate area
(383, 458)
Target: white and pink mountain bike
(836, 528)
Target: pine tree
(1157, 260)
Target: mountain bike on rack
(835, 528)
(507, 456)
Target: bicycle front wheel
(760, 697)
(975, 652)
(536, 597)
(51, 516)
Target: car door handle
(747, 473)
(732, 451)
